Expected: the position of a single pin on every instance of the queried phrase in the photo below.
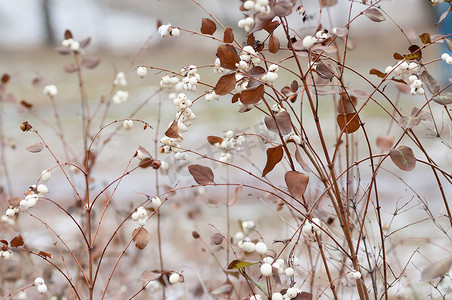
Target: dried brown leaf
(425, 38)
(384, 143)
(214, 139)
(374, 14)
(5, 78)
(216, 238)
(85, 42)
(45, 254)
(403, 157)
(237, 192)
(301, 161)
(437, 269)
(70, 68)
(141, 237)
(225, 84)
(228, 36)
(208, 26)
(282, 124)
(252, 96)
(228, 56)
(90, 63)
(273, 44)
(296, 183)
(17, 241)
(270, 27)
(348, 123)
(201, 174)
(430, 82)
(294, 86)
(150, 276)
(67, 34)
(274, 156)
(173, 130)
(36, 147)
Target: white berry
(266, 269)
(174, 278)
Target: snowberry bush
(326, 175)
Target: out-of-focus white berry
(248, 225)
(307, 227)
(289, 271)
(164, 165)
(174, 278)
(135, 216)
(416, 84)
(353, 275)
(127, 124)
(277, 296)
(280, 262)
(75, 46)
(420, 91)
(256, 297)
(449, 60)
(249, 247)
(142, 222)
(389, 69)
(445, 56)
(165, 30)
(316, 223)
(180, 156)
(10, 212)
(156, 202)
(292, 292)
(261, 248)
(239, 236)
(22, 295)
(175, 32)
(39, 281)
(412, 78)
(268, 260)
(42, 288)
(42, 189)
(50, 90)
(23, 205)
(120, 97)
(46, 175)
(412, 65)
(248, 5)
(309, 41)
(142, 71)
(266, 269)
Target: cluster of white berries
(190, 80)
(271, 74)
(294, 137)
(140, 216)
(71, 44)
(447, 58)
(184, 116)
(436, 1)
(120, 79)
(353, 275)
(248, 59)
(290, 294)
(120, 97)
(415, 85)
(36, 193)
(246, 23)
(401, 67)
(169, 82)
(230, 143)
(309, 40)
(257, 6)
(40, 285)
(217, 68)
(212, 96)
(241, 83)
(310, 228)
(5, 254)
(168, 30)
(50, 90)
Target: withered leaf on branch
(172, 131)
(225, 84)
(201, 174)
(444, 98)
(237, 192)
(348, 122)
(208, 26)
(252, 96)
(17, 241)
(374, 14)
(67, 34)
(384, 143)
(282, 121)
(273, 44)
(274, 156)
(403, 157)
(45, 254)
(430, 82)
(141, 237)
(36, 147)
(70, 68)
(228, 56)
(214, 139)
(296, 183)
(90, 63)
(437, 269)
(216, 238)
(228, 36)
